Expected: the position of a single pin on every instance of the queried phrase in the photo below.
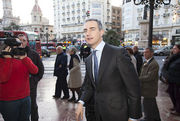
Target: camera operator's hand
(20, 56)
(7, 49)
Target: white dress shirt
(98, 50)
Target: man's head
(148, 53)
(23, 39)
(135, 49)
(93, 32)
(72, 51)
(176, 49)
(59, 50)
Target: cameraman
(34, 78)
(14, 86)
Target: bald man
(60, 70)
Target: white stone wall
(166, 20)
(70, 15)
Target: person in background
(60, 70)
(139, 59)
(149, 86)
(33, 78)
(15, 102)
(133, 59)
(173, 78)
(75, 78)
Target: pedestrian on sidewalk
(173, 77)
(60, 70)
(112, 81)
(133, 59)
(15, 102)
(149, 86)
(75, 78)
(33, 78)
(139, 59)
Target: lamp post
(151, 4)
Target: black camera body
(14, 44)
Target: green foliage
(13, 26)
(112, 38)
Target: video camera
(13, 43)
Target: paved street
(58, 110)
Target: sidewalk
(61, 110)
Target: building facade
(70, 15)
(39, 24)
(166, 22)
(8, 17)
(116, 19)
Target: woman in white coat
(75, 78)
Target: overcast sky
(23, 9)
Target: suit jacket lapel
(104, 61)
(89, 66)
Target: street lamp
(151, 4)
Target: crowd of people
(118, 84)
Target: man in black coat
(111, 79)
(60, 70)
(139, 59)
(34, 79)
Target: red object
(15, 74)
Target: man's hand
(60, 66)
(79, 112)
(20, 56)
(132, 119)
(7, 49)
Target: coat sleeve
(86, 89)
(131, 82)
(40, 66)
(5, 69)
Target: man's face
(92, 33)
(135, 49)
(147, 54)
(24, 41)
(176, 50)
(59, 50)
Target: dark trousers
(174, 93)
(151, 110)
(61, 85)
(34, 106)
(89, 113)
(17, 110)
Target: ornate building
(39, 24)
(8, 17)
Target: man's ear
(102, 32)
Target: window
(34, 18)
(128, 1)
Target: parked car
(163, 51)
(45, 52)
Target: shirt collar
(149, 59)
(100, 46)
